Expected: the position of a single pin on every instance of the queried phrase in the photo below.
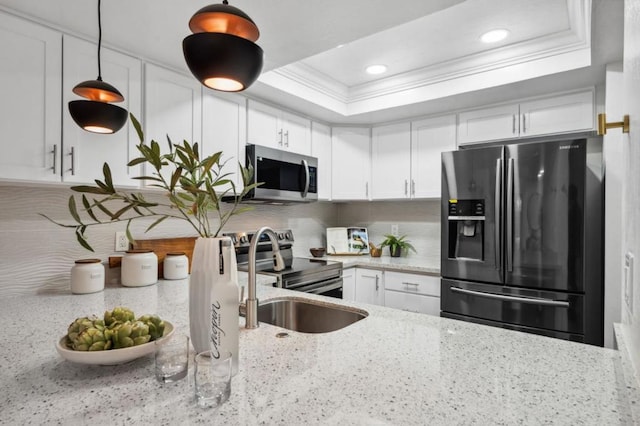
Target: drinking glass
(172, 359)
(212, 378)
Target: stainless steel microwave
(286, 177)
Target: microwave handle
(306, 178)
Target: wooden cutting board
(162, 246)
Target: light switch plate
(628, 281)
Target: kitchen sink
(307, 316)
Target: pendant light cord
(99, 41)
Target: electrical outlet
(394, 230)
(122, 243)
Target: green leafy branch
(193, 187)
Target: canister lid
(176, 253)
(83, 261)
(139, 251)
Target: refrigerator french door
(522, 237)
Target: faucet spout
(252, 301)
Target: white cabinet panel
(173, 108)
(390, 161)
(349, 284)
(30, 105)
(429, 138)
(412, 283)
(350, 163)
(272, 127)
(224, 129)
(412, 302)
(488, 124)
(85, 152)
(369, 286)
(321, 149)
(568, 113)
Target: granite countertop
(413, 264)
(393, 367)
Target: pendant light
(96, 114)
(221, 52)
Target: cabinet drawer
(412, 283)
(412, 302)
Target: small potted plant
(397, 245)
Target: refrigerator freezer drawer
(545, 310)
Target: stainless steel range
(317, 276)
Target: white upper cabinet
(350, 163)
(173, 107)
(391, 161)
(84, 152)
(321, 149)
(272, 127)
(568, 113)
(30, 104)
(224, 129)
(429, 139)
(572, 112)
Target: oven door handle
(319, 287)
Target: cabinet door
(390, 161)
(173, 107)
(412, 302)
(567, 113)
(349, 284)
(350, 163)
(84, 152)
(429, 138)
(297, 133)
(369, 286)
(321, 149)
(263, 125)
(224, 129)
(30, 105)
(488, 124)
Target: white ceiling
(435, 60)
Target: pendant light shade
(221, 53)
(96, 115)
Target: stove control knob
(281, 236)
(233, 239)
(289, 236)
(244, 239)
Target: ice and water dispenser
(466, 229)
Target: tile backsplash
(36, 255)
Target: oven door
(329, 288)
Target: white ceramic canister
(139, 268)
(87, 276)
(175, 266)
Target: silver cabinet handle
(55, 158)
(367, 189)
(73, 161)
(286, 135)
(280, 134)
(377, 279)
(406, 187)
(369, 276)
(524, 123)
(413, 187)
(513, 124)
(530, 300)
(407, 283)
(305, 191)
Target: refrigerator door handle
(498, 196)
(510, 172)
(506, 298)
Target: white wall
(631, 189)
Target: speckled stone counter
(417, 265)
(392, 367)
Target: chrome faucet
(252, 301)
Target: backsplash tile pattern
(36, 256)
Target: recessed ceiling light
(494, 36)
(376, 69)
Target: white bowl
(114, 356)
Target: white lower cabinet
(369, 286)
(412, 292)
(349, 284)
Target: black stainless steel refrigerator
(522, 237)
